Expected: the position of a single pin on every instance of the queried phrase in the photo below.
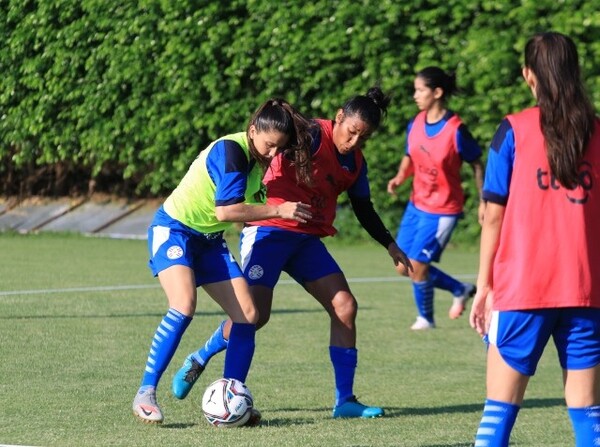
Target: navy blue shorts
(267, 251)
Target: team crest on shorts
(174, 252)
(255, 272)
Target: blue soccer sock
(441, 280)
(423, 292)
(586, 425)
(215, 344)
(164, 344)
(344, 362)
(496, 424)
(240, 351)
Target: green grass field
(77, 315)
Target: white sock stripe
(162, 332)
(491, 419)
(174, 315)
(151, 361)
(158, 338)
(491, 408)
(150, 370)
(482, 443)
(486, 431)
(168, 326)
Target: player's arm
(360, 199)
(478, 171)
(490, 237)
(471, 152)
(495, 193)
(227, 165)
(243, 212)
(405, 170)
(406, 167)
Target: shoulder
(411, 123)
(526, 114)
(453, 119)
(315, 133)
(229, 154)
(503, 133)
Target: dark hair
(566, 113)
(435, 77)
(277, 114)
(371, 107)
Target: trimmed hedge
(120, 97)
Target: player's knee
(263, 319)
(251, 315)
(345, 307)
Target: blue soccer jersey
(228, 168)
(500, 163)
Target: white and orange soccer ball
(227, 403)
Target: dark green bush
(121, 96)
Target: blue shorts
(172, 243)
(521, 337)
(266, 251)
(423, 236)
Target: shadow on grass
(177, 426)
(466, 408)
(144, 315)
(397, 412)
(460, 444)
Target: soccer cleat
(421, 324)
(352, 408)
(145, 406)
(255, 418)
(459, 302)
(184, 379)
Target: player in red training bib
(437, 144)
(539, 269)
(270, 246)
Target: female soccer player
(437, 144)
(186, 242)
(270, 246)
(539, 271)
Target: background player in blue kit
(539, 262)
(437, 144)
(270, 246)
(187, 249)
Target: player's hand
(295, 211)
(393, 184)
(481, 310)
(399, 257)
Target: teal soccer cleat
(354, 409)
(186, 377)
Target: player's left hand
(399, 257)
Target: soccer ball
(227, 403)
